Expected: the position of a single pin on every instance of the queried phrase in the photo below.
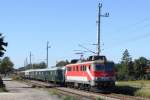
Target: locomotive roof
(90, 59)
(87, 62)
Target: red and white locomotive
(94, 72)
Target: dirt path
(21, 91)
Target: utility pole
(98, 27)
(26, 63)
(47, 47)
(30, 61)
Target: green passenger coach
(55, 74)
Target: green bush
(1, 83)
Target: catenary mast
(98, 27)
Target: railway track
(82, 94)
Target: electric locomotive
(96, 71)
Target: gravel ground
(21, 91)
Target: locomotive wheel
(88, 88)
(80, 86)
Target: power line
(134, 25)
(130, 40)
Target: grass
(69, 98)
(135, 88)
(99, 98)
(63, 96)
(16, 77)
(53, 91)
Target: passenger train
(95, 72)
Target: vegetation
(99, 98)
(69, 98)
(40, 65)
(132, 70)
(3, 89)
(2, 86)
(6, 66)
(135, 88)
(1, 83)
(2, 45)
(62, 63)
(62, 95)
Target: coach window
(76, 68)
(69, 68)
(89, 67)
(80, 68)
(85, 68)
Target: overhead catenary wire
(129, 40)
(134, 25)
(137, 28)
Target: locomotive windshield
(109, 67)
(99, 67)
(106, 67)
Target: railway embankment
(120, 93)
(125, 90)
(21, 91)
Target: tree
(62, 63)
(125, 69)
(139, 65)
(126, 57)
(120, 71)
(127, 64)
(6, 66)
(40, 65)
(2, 45)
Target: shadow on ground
(127, 90)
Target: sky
(28, 24)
